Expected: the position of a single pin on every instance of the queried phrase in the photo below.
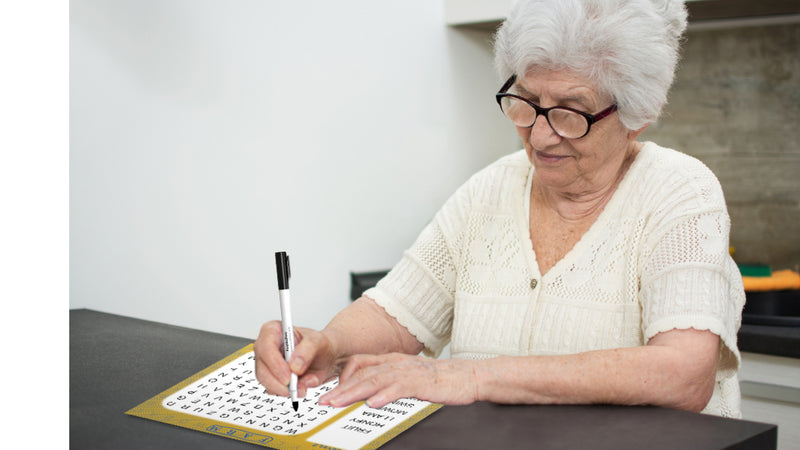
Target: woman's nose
(542, 134)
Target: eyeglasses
(566, 122)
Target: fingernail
(312, 382)
(328, 400)
(296, 364)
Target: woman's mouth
(549, 158)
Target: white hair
(627, 48)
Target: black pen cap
(284, 271)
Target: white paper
(232, 395)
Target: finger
(316, 377)
(372, 389)
(269, 381)
(306, 350)
(362, 377)
(306, 382)
(270, 362)
(357, 363)
(310, 379)
(385, 396)
(381, 386)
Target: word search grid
(227, 400)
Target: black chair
(361, 281)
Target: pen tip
(295, 405)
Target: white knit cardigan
(656, 259)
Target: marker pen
(284, 273)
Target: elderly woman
(588, 268)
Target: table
(118, 362)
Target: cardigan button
(534, 283)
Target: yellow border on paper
(152, 409)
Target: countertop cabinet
(771, 393)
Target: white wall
(206, 135)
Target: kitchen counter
(770, 340)
(771, 323)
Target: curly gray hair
(628, 49)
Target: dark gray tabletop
(117, 363)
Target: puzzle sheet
(227, 400)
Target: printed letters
(247, 402)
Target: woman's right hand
(313, 360)
(363, 327)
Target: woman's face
(574, 166)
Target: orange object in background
(779, 281)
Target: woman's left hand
(382, 379)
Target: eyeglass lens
(564, 122)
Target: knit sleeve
(689, 279)
(419, 290)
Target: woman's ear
(633, 134)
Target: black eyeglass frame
(590, 118)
